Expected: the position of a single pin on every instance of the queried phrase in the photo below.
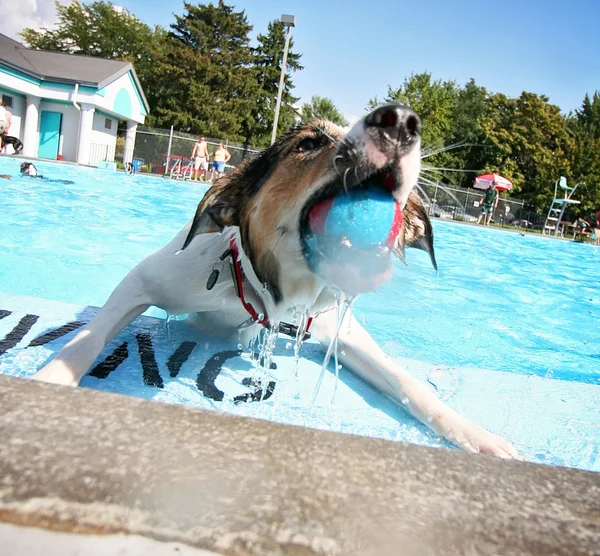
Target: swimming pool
(511, 312)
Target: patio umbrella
(486, 181)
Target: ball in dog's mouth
(348, 237)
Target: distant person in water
(221, 156)
(29, 169)
(490, 202)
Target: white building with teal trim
(68, 107)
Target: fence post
(169, 152)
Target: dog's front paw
(55, 373)
(476, 439)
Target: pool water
(502, 303)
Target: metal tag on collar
(212, 279)
(247, 324)
(292, 330)
(214, 275)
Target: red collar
(238, 279)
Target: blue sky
(353, 50)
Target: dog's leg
(127, 301)
(361, 354)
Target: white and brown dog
(261, 212)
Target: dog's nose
(399, 122)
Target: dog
(16, 143)
(258, 216)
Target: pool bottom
(549, 421)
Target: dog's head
(270, 198)
(29, 169)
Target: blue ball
(365, 217)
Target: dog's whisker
(426, 153)
(345, 180)
(441, 168)
(336, 158)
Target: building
(68, 107)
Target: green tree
(584, 127)
(100, 29)
(204, 76)
(531, 144)
(268, 57)
(468, 135)
(322, 108)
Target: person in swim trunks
(200, 157)
(221, 156)
(490, 202)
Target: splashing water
(265, 342)
(168, 321)
(343, 305)
(302, 319)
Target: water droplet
(206, 345)
(265, 288)
(288, 345)
(405, 401)
(429, 419)
(240, 346)
(342, 352)
(339, 367)
(261, 316)
(217, 357)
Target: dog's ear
(217, 210)
(417, 228)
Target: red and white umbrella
(486, 181)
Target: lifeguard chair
(562, 198)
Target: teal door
(50, 123)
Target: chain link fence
(168, 152)
(465, 205)
(161, 151)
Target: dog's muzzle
(380, 155)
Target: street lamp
(288, 21)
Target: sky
(353, 50)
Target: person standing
(200, 157)
(490, 202)
(221, 156)
(5, 121)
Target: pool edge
(83, 460)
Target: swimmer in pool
(29, 169)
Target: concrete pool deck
(92, 463)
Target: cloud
(21, 14)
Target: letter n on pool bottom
(150, 370)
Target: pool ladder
(558, 206)
(179, 172)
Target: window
(107, 123)
(8, 100)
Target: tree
(204, 76)
(322, 108)
(100, 29)
(531, 144)
(584, 127)
(268, 57)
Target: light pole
(288, 21)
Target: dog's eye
(307, 144)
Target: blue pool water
(502, 303)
